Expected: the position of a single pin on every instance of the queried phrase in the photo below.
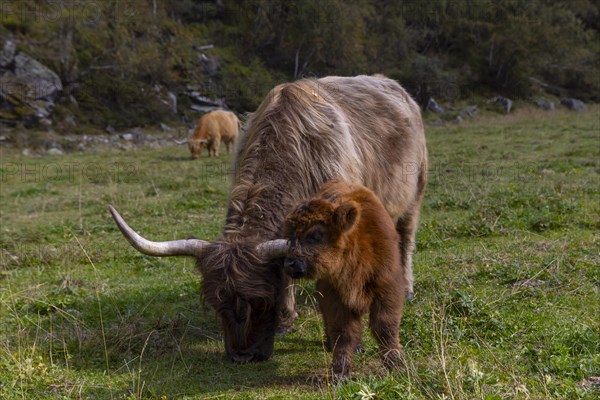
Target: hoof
(286, 323)
(394, 359)
(283, 330)
(359, 348)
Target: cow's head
(315, 230)
(242, 282)
(196, 147)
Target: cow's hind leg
(407, 230)
(407, 226)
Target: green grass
(507, 276)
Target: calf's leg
(384, 322)
(343, 329)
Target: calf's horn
(186, 247)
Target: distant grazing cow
(212, 128)
(365, 129)
(345, 239)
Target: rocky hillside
(80, 67)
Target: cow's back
(381, 128)
(365, 129)
(228, 125)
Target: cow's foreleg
(216, 144)
(288, 313)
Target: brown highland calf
(344, 238)
(214, 127)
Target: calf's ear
(345, 216)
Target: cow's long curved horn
(184, 141)
(273, 248)
(186, 247)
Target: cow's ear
(345, 216)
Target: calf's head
(196, 147)
(242, 282)
(317, 231)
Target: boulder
(573, 104)
(7, 55)
(42, 82)
(54, 151)
(544, 104)
(469, 111)
(165, 128)
(505, 102)
(433, 106)
(172, 101)
(28, 89)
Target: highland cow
(345, 239)
(365, 129)
(212, 128)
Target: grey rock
(573, 104)
(505, 102)
(70, 120)
(42, 82)
(55, 152)
(433, 106)
(544, 104)
(469, 111)
(204, 109)
(7, 55)
(164, 127)
(172, 101)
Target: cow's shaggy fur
(365, 129)
(345, 239)
(212, 128)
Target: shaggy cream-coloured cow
(212, 129)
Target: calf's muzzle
(294, 267)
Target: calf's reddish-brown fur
(344, 238)
(212, 128)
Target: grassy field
(507, 276)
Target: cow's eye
(315, 237)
